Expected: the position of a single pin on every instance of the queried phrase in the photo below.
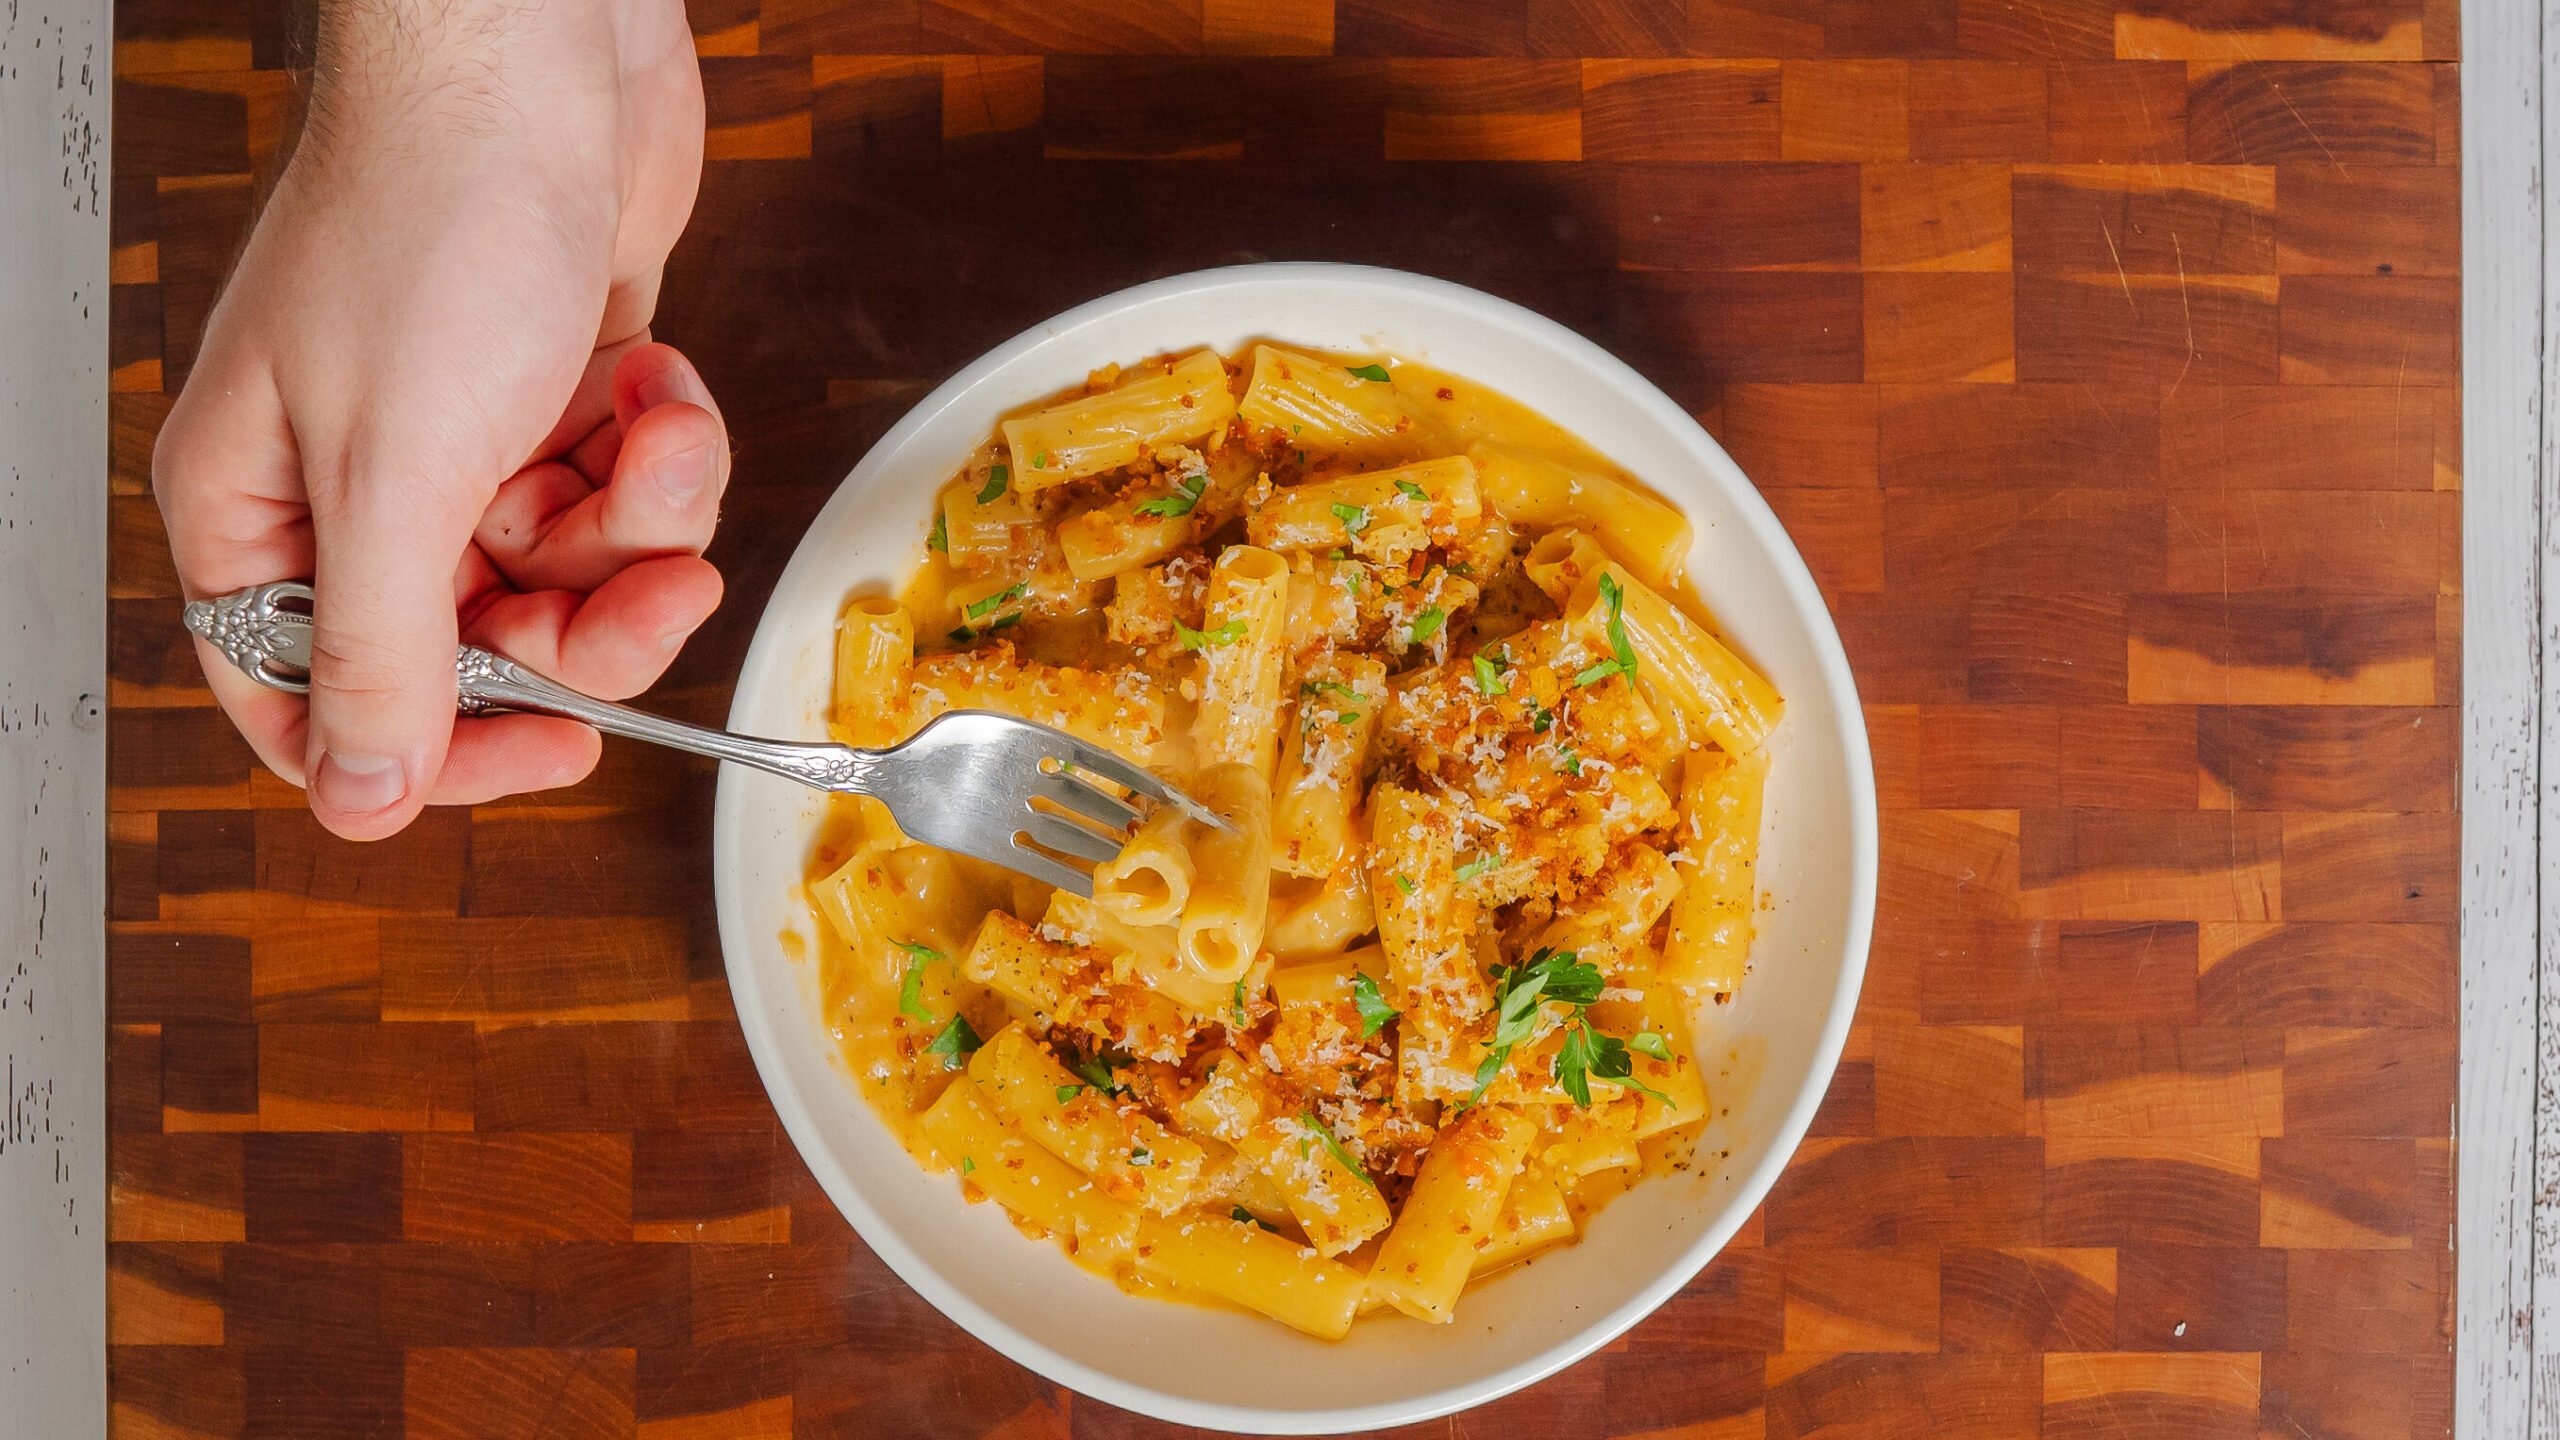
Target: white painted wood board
(54, 97)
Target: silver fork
(1003, 789)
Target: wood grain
(2100, 357)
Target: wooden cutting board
(2101, 358)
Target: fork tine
(1057, 832)
(1120, 772)
(1068, 792)
(1040, 867)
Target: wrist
(416, 74)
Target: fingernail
(683, 475)
(672, 383)
(359, 784)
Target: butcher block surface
(2101, 358)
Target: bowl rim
(747, 969)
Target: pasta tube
(1322, 757)
(1457, 1196)
(1719, 848)
(1241, 1262)
(1186, 403)
(1239, 644)
(1230, 902)
(1735, 706)
(1384, 515)
(1322, 405)
(1651, 537)
(1025, 1178)
(1149, 881)
(1130, 1156)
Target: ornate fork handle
(271, 644)
(491, 683)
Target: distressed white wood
(2503, 1278)
(53, 597)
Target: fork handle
(491, 683)
(257, 630)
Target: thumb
(382, 643)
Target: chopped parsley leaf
(1098, 1071)
(1237, 1002)
(1191, 639)
(1185, 495)
(1348, 717)
(1404, 884)
(1475, 867)
(962, 634)
(1323, 1135)
(1334, 554)
(1354, 518)
(1244, 1216)
(980, 609)
(940, 539)
(1375, 1012)
(1069, 1092)
(1489, 677)
(1368, 372)
(1557, 975)
(967, 1165)
(999, 479)
(1541, 719)
(911, 989)
(1040, 461)
(1310, 689)
(1428, 623)
(1588, 1055)
(1141, 1157)
(1004, 621)
(1649, 1044)
(1568, 762)
(1413, 491)
(954, 1044)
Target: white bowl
(1768, 1055)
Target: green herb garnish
(1140, 1156)
(968, 1166)
(1354, 518)
(1247, 1217)
(1323, 1135)
(1310, 689)
(1541, 719)
(940, 539)
(1556, 975)
(1649, 1044)
(1238, 1002)
(955, 1043)
(1040, 460)
(1179, 503)
(1368, 372)
(1191, 639)
(1475, 867)
(979, 609)
(911, 989)
(1413, 491)
(1588, 1055)
(1404, 884)
(999, 479)
(1568, 762)
(1375, 1012)
(1489, 677)
(1624, 662)
(1098, 1072)
(1428, 623)
(1069, 1092)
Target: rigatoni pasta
(1494, 790)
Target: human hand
(428, 386)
